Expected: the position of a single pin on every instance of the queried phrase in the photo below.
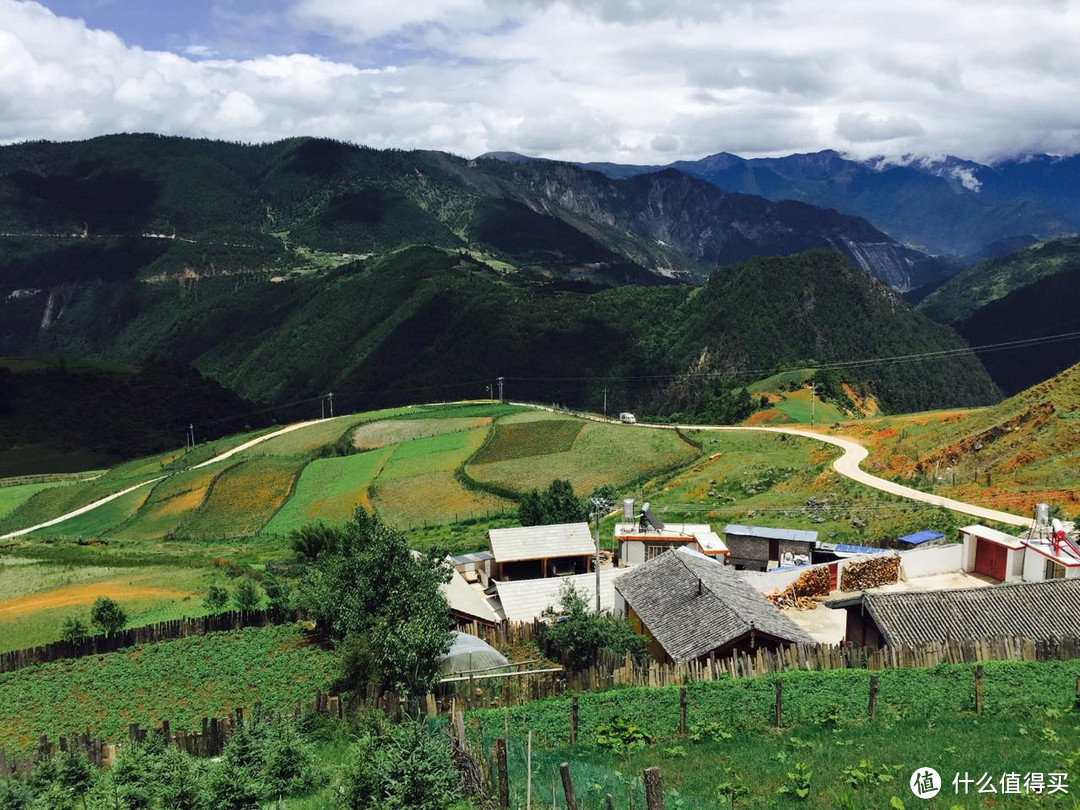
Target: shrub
(107, 615)
(407, 767)
(216, 598)
(73, 628)
(578, 634)
(246, 595)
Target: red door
(990, 559)
(833, 568)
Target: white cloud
(631, 80)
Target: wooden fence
(147, 634)
(509, 689)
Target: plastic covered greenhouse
(471, 654)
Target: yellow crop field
(244, 498)
(432, 498)
(374, 435)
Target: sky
(632, 81)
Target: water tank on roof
(1042, 514)
(628, 510)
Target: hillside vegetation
(1010, 456)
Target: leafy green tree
(373, 586)
(557, 504)
(246, 595)
(278, 593)
(216, 598)
(73, 628)
(407, 767)
(181, 781)
(234, 787)
(581, 634)
(15, 795)
(107, 615)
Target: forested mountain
(947, 206)
(427, 323)
(148, 206)
(1024, 295)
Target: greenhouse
(471, 654)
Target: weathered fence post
(609, 802)
(682, 711)
(654, 791)
(567, 787)
(873, 696)
(504, 778)
(779, 707)
(978, 689)
(573, 718)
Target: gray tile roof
(687, 623)
(1033, 609)
(766, 533)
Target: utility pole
(813, 397)
(600, 508)
(500, 381)
(191, 430)
(330, 396)
(489, 390)
(605, 400)
(322, 407)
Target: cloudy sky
(624, 80)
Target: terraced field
(600, 454)
(12, 497)
(169, 503)
(514, 440)
(374, 435)
(245, 497)
(330, 489)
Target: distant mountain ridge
(948, 206)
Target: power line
(834, 365)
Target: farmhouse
(690, 606)
(643, 538)
(992, 553)
(757, 548)
(535, 552)
(1037, 610)
(1045, 553)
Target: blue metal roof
(921, 537)
(844, 548)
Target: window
(654, 550)
(1054, 570)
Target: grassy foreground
(828, 747)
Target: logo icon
(925, 783)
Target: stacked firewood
(799, 594)
(878, 570)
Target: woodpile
(878, 570)
(799, 594)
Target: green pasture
(12, 497)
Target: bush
(557, 504)
(73, 628)
(577, 634)
(407, 767)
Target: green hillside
(993, 279)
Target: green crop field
(12, 497)
(167, 506)
(329, 490)
(244, 498)
(432, 454)
(526, 439)
(181, 681)
(374, 435)
(304, 440)
(925, 718)
(798, 406)
(602, 454)
(97, 522)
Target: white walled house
(992, 553)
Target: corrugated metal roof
(475, 557)
(1033, 609)
(919, 538)
(693, 604)
(766, 533)
(539, 542)
(844, 548)
(525, 599)
(701, 533)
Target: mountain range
(949, 206)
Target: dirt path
(220, 457)
(83, 595)
(847, 465)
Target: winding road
(848, 465)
